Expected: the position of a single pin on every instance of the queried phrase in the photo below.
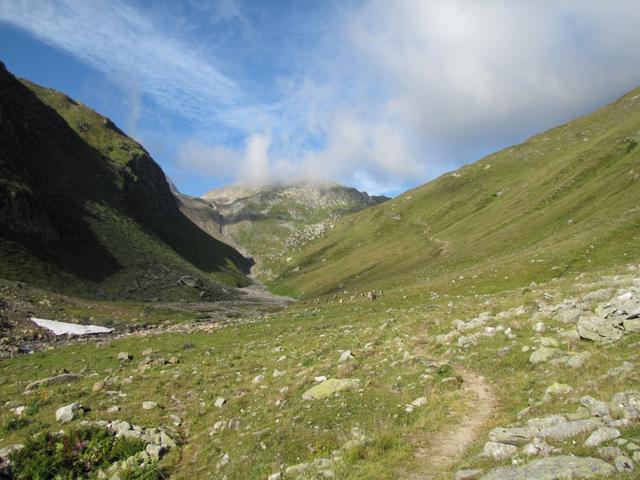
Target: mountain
(84, 208)
(271, 222)
(563, 201)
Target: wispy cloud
(128, 46)
(374, 93)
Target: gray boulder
(513, 436)
(68, 412)
(554, 468)
(602, 435)
(55, 380)
(598, 329)
(623, 464)
(499, 451)
(543, 354)
(596, 407)
(626, 405)
(568, 429)
(467, 474)
(631, 325)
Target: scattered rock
(149, 405)
(557, 389)
(598, 329)
(258, 379)
(543, 354)
(467, 474)
(609, 453)
(539, 327)
(554, 468)
(68, 412)
(329, 387)
(125, 357)
(623, 464)
(220, 402)
(98, 386)
(499, 451)
(419, 402)
(345, 356)
(513, 436)
(55, 380)
(626, 405)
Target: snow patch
(64, 328)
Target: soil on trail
(445, 447)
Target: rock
(634, 314)
(548, 421)
(113, 409)
(55, 380)
(623, 464)
(557, 389)
(345, 356)
(329, 387)
(419, 402)
(578, 360)
(549, 342)
(275, 476)
(98, 386)
(220, 402)
(513, 436)
(296, 469)
(626, 405)
(258, 379)
(601, 435)
(154, 451)
(598, 329)
(539, 327)
(543, 354)
(68, 412)
(467, 474)
(278, 373)
(148, 351)
(499, 451)
(596, 407)
(631, 326)
(173, 360)
(538, 447)
(149, 405)
(6, 452)
(609, 453)
(176, 420)
(562, 467)
(597, 296)
(125, 357)
(570, 315)
(570, 428)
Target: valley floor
(426, 385)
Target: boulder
(623, 464)
(220, 402)
(598, 329)
(345, 356)
(631, 325)
(149, 405)
(596, 407)
(556, 390)
(570, 428)
(68, 412)
(626, 405)
(513, 436)
(499, 451)
(597, 296)
(543, 354)
(124, 356)
(9, 449)
(55, 380)
(467, 474)
(554, 468)
(329, 387)
(602, 435)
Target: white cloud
(127, 45)
(377, 93)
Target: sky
(377, 94)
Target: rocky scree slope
(271, 222)
(565, 200)
(85, 209)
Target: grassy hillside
(272, 222)
(563, 201)
(84, 209)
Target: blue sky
(376, 94)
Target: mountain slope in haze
(271, 222)
(85, 209)
(563, 201)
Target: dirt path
(448, 445)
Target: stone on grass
(154, 450)
(467, 474)
(554, 468)
(275, 476)
(609, 453)
(220, 402)
(598, 329)
(55, 380)
(569, 429)
(68, 412)
(623, 464)
(124, 356)
(556, 390)
(626, 405)
(578, 360)
(345, 356)
(602, 435)
(419, 402)
(9, 449)
(499, 451)
(149, 405)
(258, 379)
(329, 387)
(513, 436)
(596, 407)
(113, 409)
(539, 327)
(543, 354)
